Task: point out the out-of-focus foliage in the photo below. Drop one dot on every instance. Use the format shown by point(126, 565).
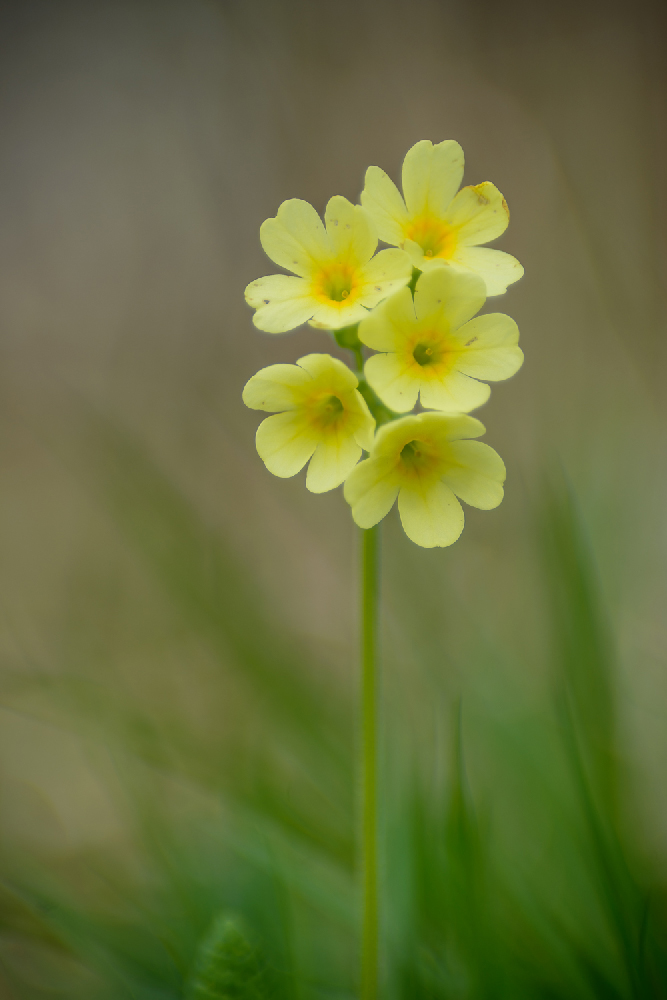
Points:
point(228, 965)
point(178, 634)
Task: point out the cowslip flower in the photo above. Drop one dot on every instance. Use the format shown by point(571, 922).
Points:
point(435, 349)
point(427, 461)
point(435, 225)
point(318, 415)
point(336, 279)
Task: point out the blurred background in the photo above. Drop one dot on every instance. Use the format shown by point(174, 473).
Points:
point(178, 643)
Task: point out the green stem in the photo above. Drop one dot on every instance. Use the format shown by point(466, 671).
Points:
point(369, 739)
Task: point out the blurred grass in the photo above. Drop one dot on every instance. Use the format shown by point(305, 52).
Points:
point(178, 645)
point(271, 837)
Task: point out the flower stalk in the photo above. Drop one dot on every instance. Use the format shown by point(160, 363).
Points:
point(370, 543)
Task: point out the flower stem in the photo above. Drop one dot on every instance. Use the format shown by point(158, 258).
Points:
point(369, 737)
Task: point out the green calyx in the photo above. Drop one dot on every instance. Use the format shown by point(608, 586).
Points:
point(348, 337)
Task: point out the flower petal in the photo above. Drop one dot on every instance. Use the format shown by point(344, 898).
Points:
point(478, 475)
point(451, 427)
point(365, 432)
point(285, 442)
point(273, 388)
point(391, 437)
point(416, 255)
point(334, 458)
point(455, 394)
point(462, 426)
point(452, 295)
point(431, 176)
point(489, 347)
point(395, 384)
point(335, 316)
point(444, 427)
point(479, 214)
point(296, 238)
point(383, 328)
point(350, 231)
point(497, 268)
point(382, 200)
point(430, 514)
point(325, 367)
point(383, 275)
point(371, 490)
point(282, 302)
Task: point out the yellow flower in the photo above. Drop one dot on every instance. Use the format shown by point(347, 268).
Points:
point(319, 415)
point(434, 224)
point(338, 278)
point(424, 460)
point(434, 348)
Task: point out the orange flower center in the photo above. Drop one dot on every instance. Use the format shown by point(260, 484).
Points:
point(335, 282)
point(433, 235)
point(429, 354)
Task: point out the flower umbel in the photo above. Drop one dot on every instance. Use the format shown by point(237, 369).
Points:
point(427, 461)
point(435, 349)
point(319, 415)
point(434, 224)
point(337, 277)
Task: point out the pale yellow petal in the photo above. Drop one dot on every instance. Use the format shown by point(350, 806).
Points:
point(324, 367)
point(489, 347)
point(430, 514)
point(285, 443)
point(497, 268)
point(296, 238)
point(382, 199)
point(350, 230)
point(451, 427)
point(395, 384)
point(364, 427)
point(386, 326)
point(431, 176)
point(390, 438)
point(371, 490)
point(416, 255)
point(478, 214)
point(334, 458)
point(273, 388)
point(282, 301)
point(383, 275)
point(455, 394)
point(478, 475)
point(334, 316)
point(278, 287)
point(443, 293)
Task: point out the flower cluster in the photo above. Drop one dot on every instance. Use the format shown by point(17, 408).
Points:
point(416, 305)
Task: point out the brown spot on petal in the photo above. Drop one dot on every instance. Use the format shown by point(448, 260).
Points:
point(481, 197)
point(377, 288)
point(472, 341)
point(506, 207)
